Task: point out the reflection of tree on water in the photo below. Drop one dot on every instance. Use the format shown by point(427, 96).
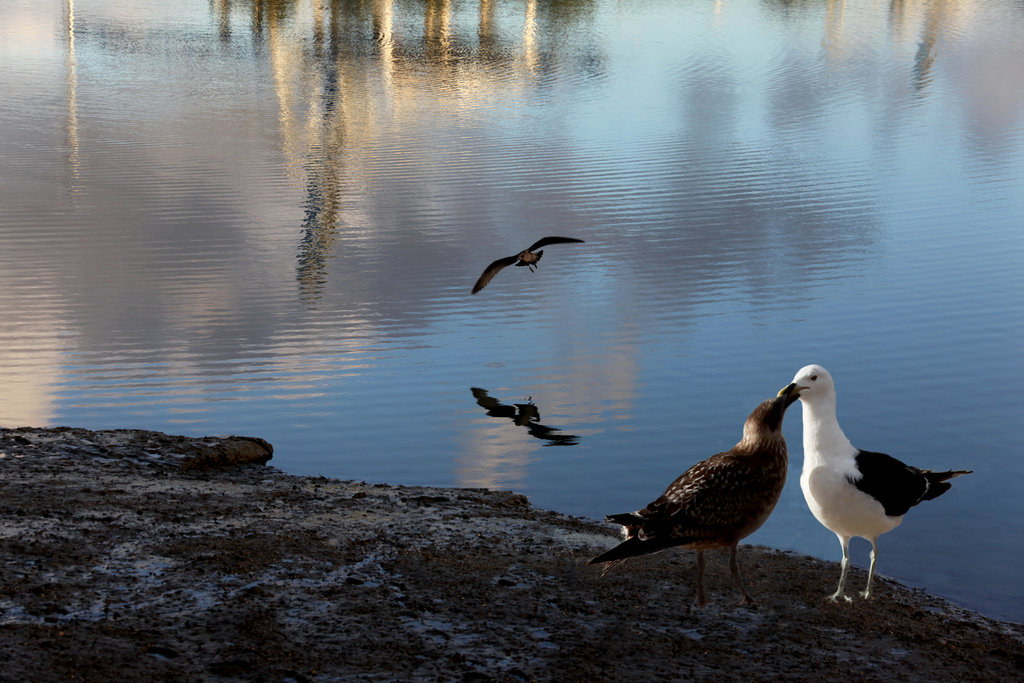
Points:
point(323, 199)
point(71, 124)
point(523, 415)
point(261, 12)
point(318, 235)
point(938, 16)
point(937, 19)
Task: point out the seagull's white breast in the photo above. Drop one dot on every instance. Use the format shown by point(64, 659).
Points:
point(841, 507)
point(828, 476)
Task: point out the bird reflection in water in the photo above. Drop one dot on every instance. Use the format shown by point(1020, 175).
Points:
point(524, 415)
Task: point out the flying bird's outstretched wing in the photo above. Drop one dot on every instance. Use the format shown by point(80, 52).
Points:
point(527, 257)
point(545, 241)
point(492, 270)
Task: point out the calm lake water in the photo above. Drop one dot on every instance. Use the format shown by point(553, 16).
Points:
point(265, 218)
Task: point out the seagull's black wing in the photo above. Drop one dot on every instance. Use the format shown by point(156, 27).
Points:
point(896, 485)
point(545, 241)
point(492, 270)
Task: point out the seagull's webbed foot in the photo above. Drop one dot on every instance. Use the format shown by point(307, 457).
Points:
point(866, 594)
point(839, 594)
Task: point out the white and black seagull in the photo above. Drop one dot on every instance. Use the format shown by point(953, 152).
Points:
point(527, 257)
point(850, 491)
point(716, 503)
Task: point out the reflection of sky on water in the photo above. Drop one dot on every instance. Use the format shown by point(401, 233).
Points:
point(266, 217)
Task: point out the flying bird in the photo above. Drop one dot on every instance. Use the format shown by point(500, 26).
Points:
point(717, 502)
point(527, 257)
point(850, 491)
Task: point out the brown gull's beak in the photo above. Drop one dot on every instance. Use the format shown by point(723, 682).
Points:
point(790, 392)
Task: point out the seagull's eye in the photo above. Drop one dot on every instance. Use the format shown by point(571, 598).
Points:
point(814, 378)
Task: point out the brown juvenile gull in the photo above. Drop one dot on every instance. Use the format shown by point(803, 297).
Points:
point(717, 502)
point(527, 257)
point(850, 491)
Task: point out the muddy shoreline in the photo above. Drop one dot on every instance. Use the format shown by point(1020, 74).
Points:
point(142, 556)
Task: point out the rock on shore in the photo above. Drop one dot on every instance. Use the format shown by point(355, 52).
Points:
point(135, 555)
